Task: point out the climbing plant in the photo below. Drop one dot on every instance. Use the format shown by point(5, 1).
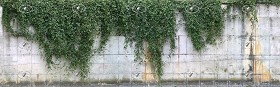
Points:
point(204, 21)
point(271, 2)
point(67, 29)
point(151, 22)
point(61, 30)
point(247, 7)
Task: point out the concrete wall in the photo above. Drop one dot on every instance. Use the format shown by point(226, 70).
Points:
point(246, 52)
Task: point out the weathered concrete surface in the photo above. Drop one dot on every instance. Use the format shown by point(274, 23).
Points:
point(247, 52)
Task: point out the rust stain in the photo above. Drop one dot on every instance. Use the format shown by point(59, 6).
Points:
point(148, 73)
point(262, 73)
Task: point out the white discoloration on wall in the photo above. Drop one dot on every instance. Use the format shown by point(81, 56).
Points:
point(21, 60)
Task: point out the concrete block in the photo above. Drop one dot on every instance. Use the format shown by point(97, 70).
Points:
point(235, 26)
point(194, 67)
point(35, 50)
point(177, 58)
point(10, 60)
point(72, 77)
point(39, 69)
point(207, 67)
point(97, 59)
point(221, 46)
point(206, 58)
point(275, 77)
point(193, 76)
point(274, 64)
point(93, 77)
point(96, 69)
point(275, 26)
point(219, 49)
point(9, 70)
point(1, 46)
point(24, 59)
point(235, 76)
point(207, 76)
point(1, 28)
point(193, 58)
point(137, 77)
point(226, 28)
point(38, 77)
point(237, 65)
point(263, 10)
point(169, 67)
point(112, 46)
point(272, 11)
point(138, 69)
point(264, 26)
point(11, 51)
point(122, 78)
point(108, 77)
point(275, 70)
point(24, 47)
point(221, 67)
point(275, 46)
point(181, 46)
point(110, 59)
point(37, 59)
point(180, 24)
point(168, 76)
point(190, 47)
point(234, 45)
point(10, 41)
point(1, 11)
point(222, 77)
point(124, 68)
point(181, 29)
point(278, 11)
point(263, 45)
point(262, 66)
point(24, 71)
point(96, 42)
point(209, 50)
point(180, 67)
point(129, 59)
point(129, 50)
point(53, 78)
point(11, 78)
point(180, 77)
point(275, 22)
point(1, 33)
point(166, 47)
point(275, 31)
point(110, 68)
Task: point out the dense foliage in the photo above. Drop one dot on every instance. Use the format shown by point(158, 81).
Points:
point(204, 21)
point(67, 29)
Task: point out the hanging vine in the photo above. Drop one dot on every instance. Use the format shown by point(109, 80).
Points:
point(204, 21)
point(68, 29)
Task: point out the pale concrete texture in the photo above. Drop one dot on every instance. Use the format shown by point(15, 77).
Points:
point(248, 54)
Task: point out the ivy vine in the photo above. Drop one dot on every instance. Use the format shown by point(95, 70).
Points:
point(204, 21)
point(67, 29)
